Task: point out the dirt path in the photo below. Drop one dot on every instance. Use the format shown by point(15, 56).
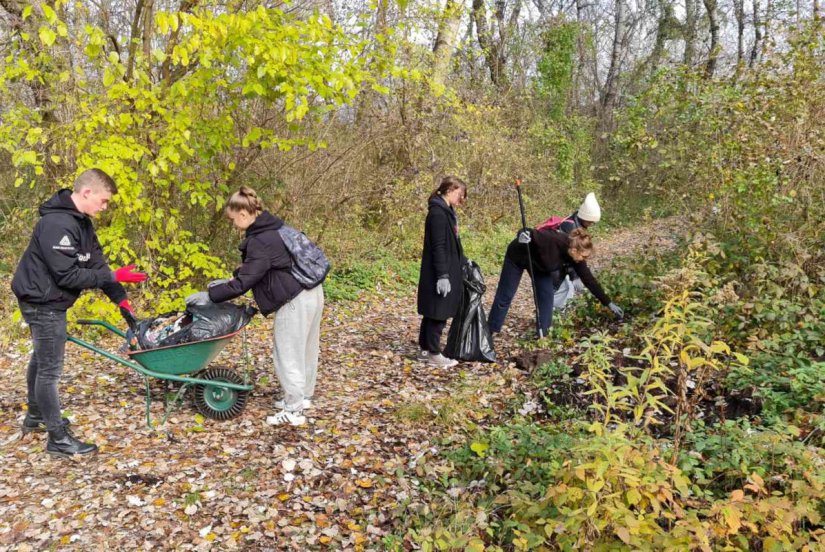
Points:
point(339, 483)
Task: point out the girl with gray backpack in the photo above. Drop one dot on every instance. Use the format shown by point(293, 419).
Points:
point(284, 270)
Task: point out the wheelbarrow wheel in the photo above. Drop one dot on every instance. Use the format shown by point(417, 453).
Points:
point(217, 402)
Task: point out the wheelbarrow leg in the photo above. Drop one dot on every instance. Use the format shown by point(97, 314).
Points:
point(171, 406)
point(148, 403)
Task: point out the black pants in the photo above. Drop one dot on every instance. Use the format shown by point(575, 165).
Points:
point(429, 337)
point(48, 329)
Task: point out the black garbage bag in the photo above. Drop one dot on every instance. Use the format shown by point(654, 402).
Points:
point(217, 319)
point(196, 323)
point(469, 337)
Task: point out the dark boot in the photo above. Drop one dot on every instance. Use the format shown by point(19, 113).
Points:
point(34, 422)
point(63, 443)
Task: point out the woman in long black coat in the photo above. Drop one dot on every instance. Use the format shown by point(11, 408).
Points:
point(440, 284)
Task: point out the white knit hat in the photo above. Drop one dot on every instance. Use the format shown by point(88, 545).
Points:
point(590, 210)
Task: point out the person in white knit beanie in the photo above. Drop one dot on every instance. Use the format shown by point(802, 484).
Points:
point(588, 214)
point(589, 211)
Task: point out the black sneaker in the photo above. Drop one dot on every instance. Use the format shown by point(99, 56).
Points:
point(63, 443)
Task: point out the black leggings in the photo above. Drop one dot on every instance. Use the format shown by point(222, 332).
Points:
point(429, 337)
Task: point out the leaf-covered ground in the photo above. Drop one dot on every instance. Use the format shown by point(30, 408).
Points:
point(339, 483)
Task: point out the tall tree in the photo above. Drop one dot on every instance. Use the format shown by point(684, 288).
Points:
point(739, 13)
point(445, 39)
point(757, 34)
point(492, 38)
point(617, 53)
point(690, 32)
point(710, 67)
point(668, 27)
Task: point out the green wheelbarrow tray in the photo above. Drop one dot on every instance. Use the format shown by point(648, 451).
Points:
point(220, 393)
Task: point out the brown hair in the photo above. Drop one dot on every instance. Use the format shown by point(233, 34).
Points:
point(95, 178)
point(581, 245)
point(245, 199)
point(448, 184)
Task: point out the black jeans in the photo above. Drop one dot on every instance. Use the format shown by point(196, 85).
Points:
point(48, 329)
point(506, 291)
point(429, 336)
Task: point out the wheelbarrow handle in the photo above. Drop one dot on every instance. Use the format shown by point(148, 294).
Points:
point(113, 329)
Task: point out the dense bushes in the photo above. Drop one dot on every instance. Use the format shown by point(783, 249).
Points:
point(637, 451)
point(699, 422)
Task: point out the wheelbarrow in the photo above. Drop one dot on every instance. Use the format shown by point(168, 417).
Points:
point(220, 393)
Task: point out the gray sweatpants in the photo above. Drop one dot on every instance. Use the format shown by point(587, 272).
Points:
point(297, 334)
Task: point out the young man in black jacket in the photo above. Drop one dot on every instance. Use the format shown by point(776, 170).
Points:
point(63, 258)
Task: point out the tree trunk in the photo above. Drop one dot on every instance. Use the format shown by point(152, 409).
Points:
point(667, 28)
point(445, 40)
point(130, 64)
point(148, 22)
point(766, 29)
point(490, 47)
point(611, 81)
point(757, 34)
point(710, 67)
point(739, 12)
point(581, 52)
point(690, 32)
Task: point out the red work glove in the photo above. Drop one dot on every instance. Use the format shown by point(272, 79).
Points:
point(128, 314)
point(127, 274)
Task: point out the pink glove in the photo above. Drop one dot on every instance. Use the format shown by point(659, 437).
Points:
point(127, 274)
point(126, 306)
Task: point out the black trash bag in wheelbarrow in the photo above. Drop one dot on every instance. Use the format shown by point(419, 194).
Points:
point(196, 323)
point(217, 319)
point(469, 338)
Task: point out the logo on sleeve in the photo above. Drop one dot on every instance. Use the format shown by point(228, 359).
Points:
point(65, 244)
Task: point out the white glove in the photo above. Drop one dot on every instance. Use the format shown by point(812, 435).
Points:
point(524, 236)
point(617, 310)
point(442, 287)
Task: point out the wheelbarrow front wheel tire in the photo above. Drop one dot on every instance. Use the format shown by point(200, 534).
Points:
point(216, 401)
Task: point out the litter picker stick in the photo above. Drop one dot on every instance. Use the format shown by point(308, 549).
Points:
point(539, 331)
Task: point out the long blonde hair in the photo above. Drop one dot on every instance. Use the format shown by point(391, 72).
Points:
point(581, 245)
point(245, 199)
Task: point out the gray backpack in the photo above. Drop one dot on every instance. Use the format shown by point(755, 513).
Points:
point(309, 264)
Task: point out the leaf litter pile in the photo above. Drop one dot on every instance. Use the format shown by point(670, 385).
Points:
point(341, 482)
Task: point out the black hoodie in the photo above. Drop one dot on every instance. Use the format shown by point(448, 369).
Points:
point(63, 258)
point(265, 269)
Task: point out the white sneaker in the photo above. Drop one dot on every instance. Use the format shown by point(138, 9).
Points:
point(440, 360)
point(305, 405)
point(422, 356)
point(285, 417)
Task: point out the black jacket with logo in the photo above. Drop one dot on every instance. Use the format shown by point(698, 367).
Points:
point(265, 269)
point(63, 258)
